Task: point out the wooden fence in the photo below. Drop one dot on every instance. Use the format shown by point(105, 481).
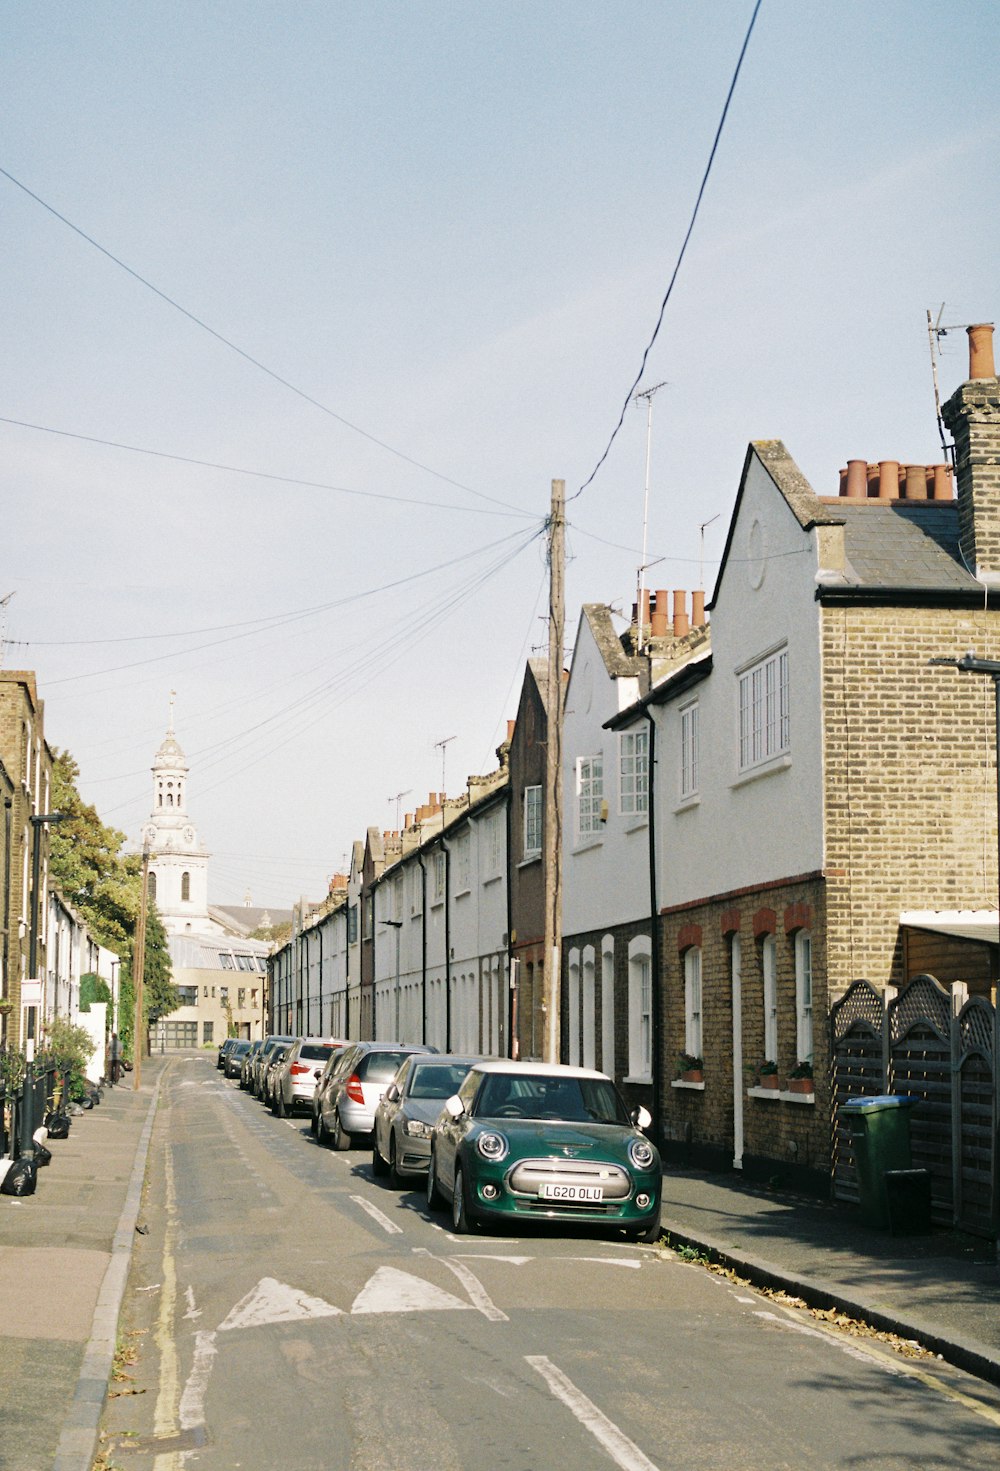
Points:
point(941, 1046)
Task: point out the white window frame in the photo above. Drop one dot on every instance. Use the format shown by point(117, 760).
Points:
point(438, 861)
point(416, 889)
point(690, 749)
point(573, 1007)
point(764, 722)
point(461, 858)
point(533, 812)
point(803, 997)
point(769, 968)
point(492, 847)
point(589, 795)
point(692, 1002)
point(633, 772)
point(640, 1010)
point(608, 1005)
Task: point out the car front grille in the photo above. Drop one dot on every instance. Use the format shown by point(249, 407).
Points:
point(529, 1174)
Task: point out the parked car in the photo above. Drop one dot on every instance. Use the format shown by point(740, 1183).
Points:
point(522, 1140)
point(234, 1057)
point(324, 1083)
point(410, 1107)
point(269, 1075)
point(225, 1046)
point(300, 1070)
point(246, 1067)
point(263, 1058)
point(354, 1089)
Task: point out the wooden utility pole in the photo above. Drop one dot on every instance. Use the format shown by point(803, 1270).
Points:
point(138, 966)
point(553, 776)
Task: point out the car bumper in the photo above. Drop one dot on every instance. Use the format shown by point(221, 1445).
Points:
point(493, 1196)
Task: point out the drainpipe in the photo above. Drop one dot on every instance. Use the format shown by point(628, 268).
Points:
point(447, 946)
point(423, 947)
point(654, 926)
point(509, 1050)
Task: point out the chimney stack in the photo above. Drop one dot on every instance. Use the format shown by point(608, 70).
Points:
point(698, 608)
point(972, 415)
point(681, 624)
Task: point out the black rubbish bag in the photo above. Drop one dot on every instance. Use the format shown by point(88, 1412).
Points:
point(57, 1125)
point(86, 1101)
point(21, 1178)
point(43, 1156)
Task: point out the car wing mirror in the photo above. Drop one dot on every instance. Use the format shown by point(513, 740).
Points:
point(392, 1093)
point(454, 1106)
point(641, 1117)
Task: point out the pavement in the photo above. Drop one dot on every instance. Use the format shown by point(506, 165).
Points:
point(65, 1254)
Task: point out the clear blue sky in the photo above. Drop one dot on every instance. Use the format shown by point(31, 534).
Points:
point(451, 224)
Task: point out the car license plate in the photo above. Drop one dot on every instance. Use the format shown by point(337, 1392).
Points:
point(551, 1191)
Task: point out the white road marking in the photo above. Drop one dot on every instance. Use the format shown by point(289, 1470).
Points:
point(377, 1215)
point(392, 1291)
point(477, 1292)
point(275, 1302)
point(604, 1261)
point(750, 1300)
point(852, 1350)
point(192, 1406)
point(488, 1256)
point(623, 1452)
point(192, 1313)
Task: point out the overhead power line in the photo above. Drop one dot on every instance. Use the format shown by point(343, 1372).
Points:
point(241, 352)
point(159, 454)
point(684, 245)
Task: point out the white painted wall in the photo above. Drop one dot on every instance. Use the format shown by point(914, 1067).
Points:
point(741, 831)
point(605, 878)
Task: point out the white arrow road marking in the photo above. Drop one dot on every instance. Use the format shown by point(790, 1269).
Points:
point(378, 1215)
point(392, 1291)
point(192, 1313)
point(192, 1406)
point(605, 1261)
point(275, 1302)
point(623, 1452)
point(473, 1286)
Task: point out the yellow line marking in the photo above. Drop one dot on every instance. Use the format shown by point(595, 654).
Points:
point(165, 1421)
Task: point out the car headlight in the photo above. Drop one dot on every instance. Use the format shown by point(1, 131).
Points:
point(417, 1130)
point(492, 1145)
point(641, 1153)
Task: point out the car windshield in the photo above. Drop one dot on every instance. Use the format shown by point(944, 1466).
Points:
point(315, 1051)
point(437, 1079)
point(379, 1067)
point(573, 1100)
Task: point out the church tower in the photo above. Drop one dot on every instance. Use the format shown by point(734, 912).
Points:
point(178, 867)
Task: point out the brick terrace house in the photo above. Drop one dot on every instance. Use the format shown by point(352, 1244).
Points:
point(821, 786)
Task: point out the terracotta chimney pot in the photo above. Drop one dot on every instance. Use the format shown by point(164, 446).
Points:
point(871, 488)
point(857, 480)
point(408, 820)
point(941, 489)
point(645, 606)
point(510, 729)
point(681, 624)
point(916, 482)
point(660, 620)
point(981, 351)
point(888, 480)
point(843, 482)
point(698, 608)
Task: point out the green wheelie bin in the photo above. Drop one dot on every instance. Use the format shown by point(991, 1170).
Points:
point(880, 1134)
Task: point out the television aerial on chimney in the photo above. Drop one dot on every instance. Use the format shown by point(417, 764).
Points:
point(935, 331)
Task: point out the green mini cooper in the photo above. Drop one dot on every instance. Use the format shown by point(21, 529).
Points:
point(544, 1142)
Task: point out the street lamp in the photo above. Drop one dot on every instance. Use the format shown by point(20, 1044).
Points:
point(397, 925)
point(39, 819)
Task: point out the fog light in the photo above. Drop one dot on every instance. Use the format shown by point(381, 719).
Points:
point(490, 1192)
point(642, 1201)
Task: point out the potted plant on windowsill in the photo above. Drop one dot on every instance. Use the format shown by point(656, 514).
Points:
point(767, 1075)
point(800, 1079)
point(690, 1069)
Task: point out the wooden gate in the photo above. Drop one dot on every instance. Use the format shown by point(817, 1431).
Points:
point(857, 1022)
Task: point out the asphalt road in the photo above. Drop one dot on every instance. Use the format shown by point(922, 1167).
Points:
point(287, 1311)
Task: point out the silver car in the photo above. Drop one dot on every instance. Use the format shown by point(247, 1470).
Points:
point(354, 1090)
point(405, 1118)
point(259, 1064)
point(301, 1067)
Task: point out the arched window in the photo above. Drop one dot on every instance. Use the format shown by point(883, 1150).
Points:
point(185, 886)
point(803, 996)
point(692, 1001)
point(170, 799)
point(151, 887)
point(769, 967)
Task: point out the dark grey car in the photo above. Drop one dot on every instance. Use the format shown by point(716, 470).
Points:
point(405, 1119)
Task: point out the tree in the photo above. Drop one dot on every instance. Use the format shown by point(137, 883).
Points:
point(159, 994)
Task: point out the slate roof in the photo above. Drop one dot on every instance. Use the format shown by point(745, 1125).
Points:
point(902, 548)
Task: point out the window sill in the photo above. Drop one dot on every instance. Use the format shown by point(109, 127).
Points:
point(529, 859)
point(462, 893)
point(778, 1095)
point(692, 1087)
point(643, 1081)
point(766, 768)
point(686, 803)
point(494, 878)
point(636, 822)
point(589, 840)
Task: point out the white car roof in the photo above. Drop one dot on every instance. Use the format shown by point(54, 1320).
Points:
point(536, 1069)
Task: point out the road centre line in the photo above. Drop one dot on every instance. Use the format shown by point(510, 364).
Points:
point(624, 1452)
point(477, 1292)
point(377, 1215)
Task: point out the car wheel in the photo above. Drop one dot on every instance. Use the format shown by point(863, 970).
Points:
point(341, 1138)
point(379, 1167)
point(280, 1109)
point(649, 1234)
point(322, 1132)
point(435, 1200)
point(462, 1220)
point(312, 1124)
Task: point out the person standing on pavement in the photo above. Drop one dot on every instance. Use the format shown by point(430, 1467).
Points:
point(115, 1052)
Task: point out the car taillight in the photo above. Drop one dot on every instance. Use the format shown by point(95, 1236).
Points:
point(354, 1090)
point(297, 1069)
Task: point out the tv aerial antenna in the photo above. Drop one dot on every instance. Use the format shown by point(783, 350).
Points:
point(935, 331)
point(442, 746)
